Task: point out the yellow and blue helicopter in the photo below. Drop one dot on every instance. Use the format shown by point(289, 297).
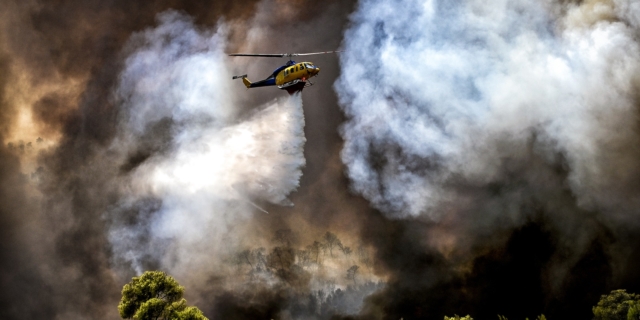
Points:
point(292, 76)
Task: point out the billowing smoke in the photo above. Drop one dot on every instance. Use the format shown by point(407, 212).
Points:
point(491, 148)
point(188, 149)
point(482, 120)
point(196, 171)
point(450, 92)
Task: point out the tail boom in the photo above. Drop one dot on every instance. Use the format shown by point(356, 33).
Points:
point(271, 81)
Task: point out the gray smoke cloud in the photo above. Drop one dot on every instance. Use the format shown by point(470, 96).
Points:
point(441, 93)
point(127, 147)
point(215, 163)
point(477, 119)
point(497, 140)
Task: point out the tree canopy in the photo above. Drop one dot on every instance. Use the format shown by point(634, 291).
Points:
point(457, 317)
point(618, 305)
point(540, 317)
point(332, 240)
point(156, 296)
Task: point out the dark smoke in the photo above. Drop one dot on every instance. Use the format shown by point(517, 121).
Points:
point(64, 59)
point(20, 279)
point(501, 136)
point(497, 142)
point(64, 62)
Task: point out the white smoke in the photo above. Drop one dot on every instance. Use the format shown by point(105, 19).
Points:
point(212, 165)
point(438, 93)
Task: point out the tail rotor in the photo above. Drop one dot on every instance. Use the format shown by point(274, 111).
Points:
point(246, 81)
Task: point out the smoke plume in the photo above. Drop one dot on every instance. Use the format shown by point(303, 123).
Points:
point(460, 157)
point(493, 123)
point(211, 167)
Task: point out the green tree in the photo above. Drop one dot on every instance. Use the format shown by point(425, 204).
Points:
point(331, 240)
point(156, 296)
point(351, 273)
point(540, 317)
point(315, 248)
point(616, 305)
point(634, 311)
point(457, 317)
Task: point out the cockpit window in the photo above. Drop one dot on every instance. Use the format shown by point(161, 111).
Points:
point(302, 67)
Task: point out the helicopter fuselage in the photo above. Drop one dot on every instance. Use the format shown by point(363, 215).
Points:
point(292, 77)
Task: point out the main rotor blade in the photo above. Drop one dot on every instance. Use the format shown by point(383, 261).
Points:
point(275, 55)
point(278, 55)
point(312, 53)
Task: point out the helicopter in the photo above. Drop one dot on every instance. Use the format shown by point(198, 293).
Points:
point(292, 76)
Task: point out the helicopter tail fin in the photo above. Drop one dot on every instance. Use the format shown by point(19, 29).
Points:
point(246, 81)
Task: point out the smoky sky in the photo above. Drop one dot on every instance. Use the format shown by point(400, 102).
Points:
point(486, 155)
point(509, 132)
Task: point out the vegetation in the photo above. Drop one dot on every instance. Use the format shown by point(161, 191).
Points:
point(156, 296)
point(618, 305)
point(540, 317)
point(294, 263)
point(288, 264)
point(634, 311)
point(457, 317)
point(331, 241)
point(351, 273)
